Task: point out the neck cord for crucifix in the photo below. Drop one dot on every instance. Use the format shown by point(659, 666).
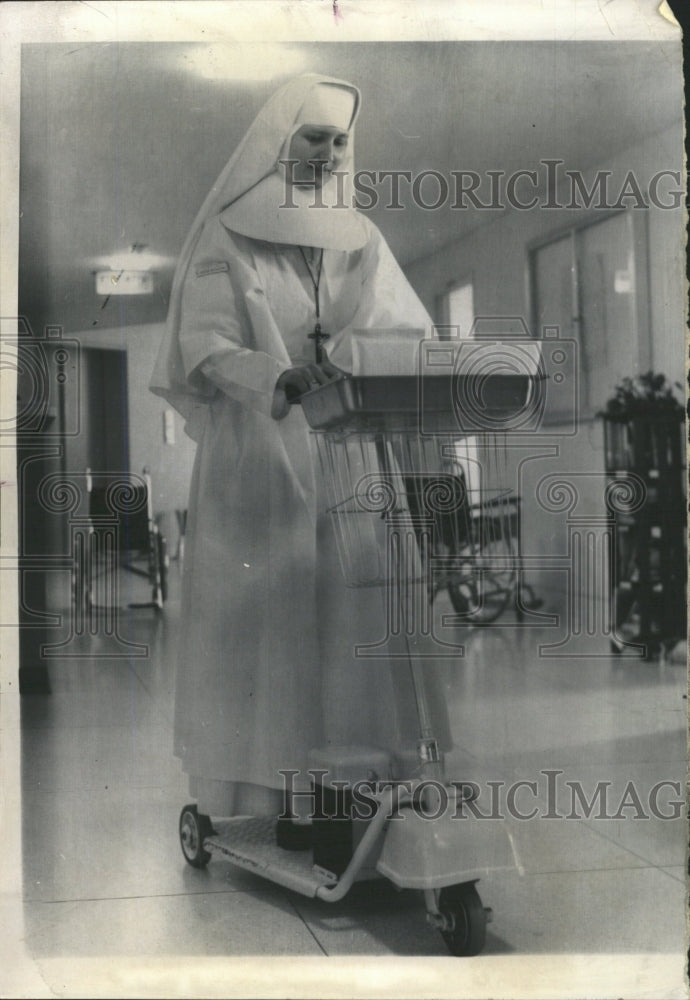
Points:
point(318, 336)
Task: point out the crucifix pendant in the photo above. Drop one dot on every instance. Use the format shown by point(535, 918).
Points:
point(318, 336)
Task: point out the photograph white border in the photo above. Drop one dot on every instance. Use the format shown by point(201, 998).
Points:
point(533, 976)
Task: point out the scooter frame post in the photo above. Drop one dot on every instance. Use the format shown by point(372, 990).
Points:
point(387, 802)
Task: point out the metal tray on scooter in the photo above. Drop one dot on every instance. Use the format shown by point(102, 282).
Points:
point(457, 404)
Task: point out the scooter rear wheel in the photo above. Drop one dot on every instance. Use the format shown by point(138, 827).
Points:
point(462, 907)
point(194, 828)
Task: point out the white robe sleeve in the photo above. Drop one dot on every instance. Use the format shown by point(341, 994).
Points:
point(388, 300)
point(388, 307)
point(215, 328)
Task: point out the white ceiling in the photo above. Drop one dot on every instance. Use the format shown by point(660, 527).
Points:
point(120, 143)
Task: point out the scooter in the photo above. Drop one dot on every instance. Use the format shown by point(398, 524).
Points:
point(423, 833)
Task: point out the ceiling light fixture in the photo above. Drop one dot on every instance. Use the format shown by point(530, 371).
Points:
point(137, 257)
point(124, 282)
point(129, 273)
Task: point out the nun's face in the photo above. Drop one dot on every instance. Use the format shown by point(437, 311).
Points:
point(318, 150)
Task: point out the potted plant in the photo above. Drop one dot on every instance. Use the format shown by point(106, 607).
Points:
point(648, 395)
point(641, 422)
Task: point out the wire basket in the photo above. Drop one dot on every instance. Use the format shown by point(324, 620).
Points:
point(411, 495)
point(413, 488)
point(405, 507)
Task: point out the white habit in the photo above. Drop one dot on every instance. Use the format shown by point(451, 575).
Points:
point(266, 669)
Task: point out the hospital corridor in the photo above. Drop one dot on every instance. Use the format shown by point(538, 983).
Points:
point(347, 596)
point(104, 874)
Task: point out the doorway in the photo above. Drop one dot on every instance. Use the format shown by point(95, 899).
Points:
point(592, 283)
point(105, 436)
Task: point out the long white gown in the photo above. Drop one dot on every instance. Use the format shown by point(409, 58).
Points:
point(266, 668)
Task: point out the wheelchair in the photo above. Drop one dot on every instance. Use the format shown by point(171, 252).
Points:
point(474, 547)
point(123, 537)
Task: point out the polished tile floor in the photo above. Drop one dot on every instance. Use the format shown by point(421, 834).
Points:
point(101, 793)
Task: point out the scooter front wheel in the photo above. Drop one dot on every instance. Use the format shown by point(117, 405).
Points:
point(465, 919)
point(194, 828)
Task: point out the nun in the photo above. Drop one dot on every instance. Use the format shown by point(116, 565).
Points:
point(277, 258)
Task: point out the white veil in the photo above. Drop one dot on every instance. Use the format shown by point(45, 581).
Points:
point(250, 191)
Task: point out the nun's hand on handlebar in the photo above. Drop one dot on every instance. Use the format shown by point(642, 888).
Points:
point(302, 378)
